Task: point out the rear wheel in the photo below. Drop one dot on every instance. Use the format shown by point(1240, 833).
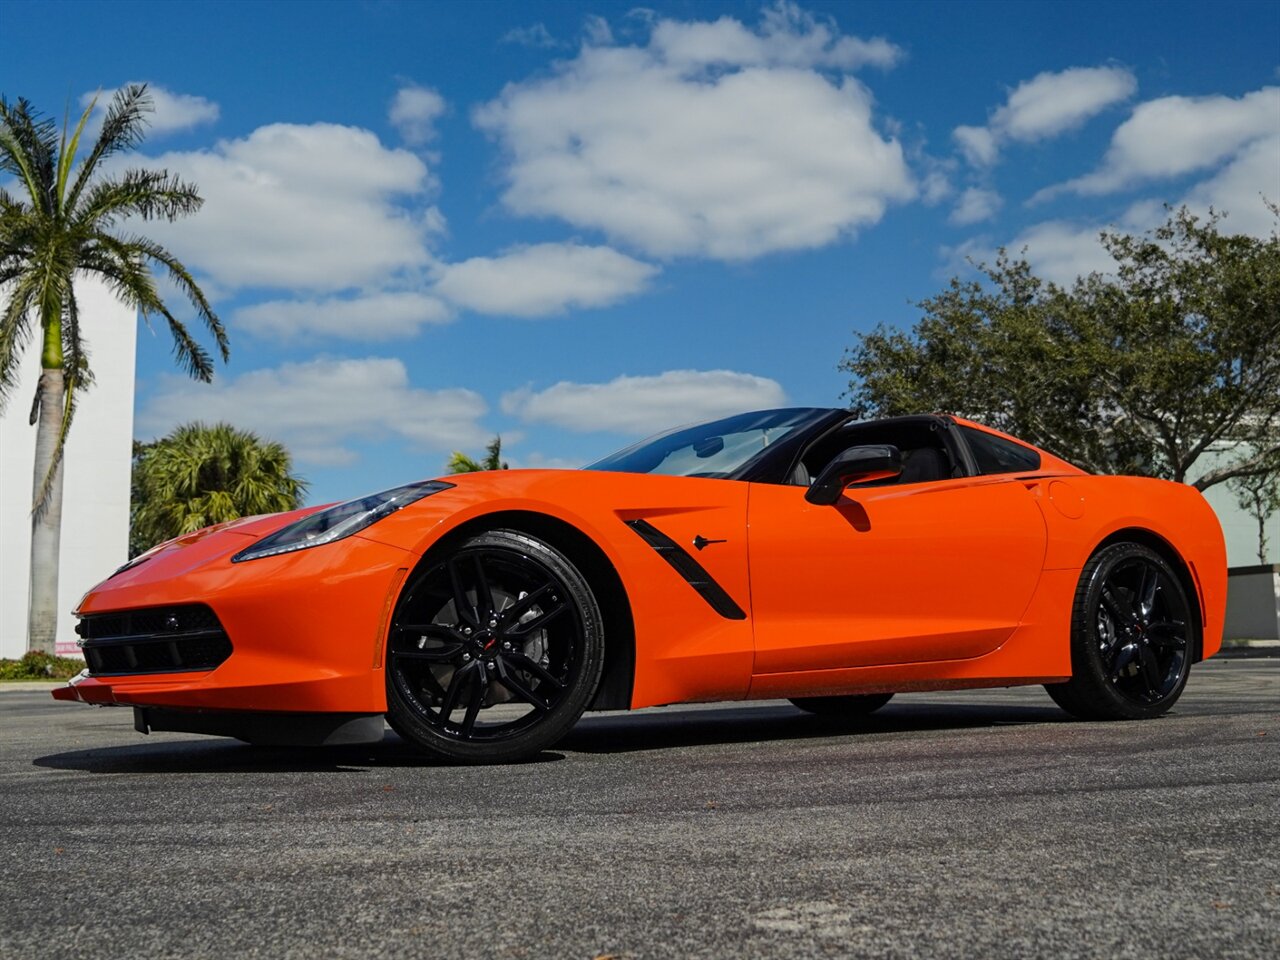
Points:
point(494, 651)
point(1131, 634)
point(855, 705)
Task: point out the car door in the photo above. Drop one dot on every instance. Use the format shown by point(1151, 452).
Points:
point(939, 570)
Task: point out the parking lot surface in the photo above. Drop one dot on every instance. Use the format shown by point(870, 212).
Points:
point(981, 824)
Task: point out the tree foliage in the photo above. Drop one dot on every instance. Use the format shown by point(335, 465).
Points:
point(201, 475)
point(461, 463)
point(1174, 353)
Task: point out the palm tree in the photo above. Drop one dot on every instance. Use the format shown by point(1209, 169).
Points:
point(461, 463)
point(201, 475)
point(70, 223)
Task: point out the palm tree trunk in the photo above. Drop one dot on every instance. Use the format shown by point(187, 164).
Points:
point(46, 518)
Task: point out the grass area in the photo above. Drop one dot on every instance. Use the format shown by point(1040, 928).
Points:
point(40, 666)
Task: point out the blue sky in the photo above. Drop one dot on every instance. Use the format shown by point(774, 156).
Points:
point(577, 223)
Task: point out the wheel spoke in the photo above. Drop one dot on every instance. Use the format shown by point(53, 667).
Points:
point(521, 662)
point(479, 686)
point(484, 593)
point(450, 702)
point(515, 683)
point(537, 623)
point(1119, 605)
point(1167, 634)
point(446, 653)
point(1150, 671)
point(1147, 588)
point(465, 608)
point(522, 606)
point(448, 642)
point(1123, 659)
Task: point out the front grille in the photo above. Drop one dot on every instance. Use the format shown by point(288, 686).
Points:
point(153, 640)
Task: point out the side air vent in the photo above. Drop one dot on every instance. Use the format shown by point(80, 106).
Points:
point(690, 569)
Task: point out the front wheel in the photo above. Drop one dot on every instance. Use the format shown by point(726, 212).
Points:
point(494, 651)
point(1131, 633)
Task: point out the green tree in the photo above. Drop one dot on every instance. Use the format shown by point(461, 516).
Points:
point(1142, 370)
point(70, 222)
point(201, 475)
point(461, 463)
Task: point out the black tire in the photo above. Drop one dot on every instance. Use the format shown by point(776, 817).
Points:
point(1132, 631)
point(502, 618)
point(854, 705)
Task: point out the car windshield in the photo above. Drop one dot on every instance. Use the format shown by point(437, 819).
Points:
point(716, 449)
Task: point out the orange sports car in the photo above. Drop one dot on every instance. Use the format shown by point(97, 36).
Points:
point(793, 553)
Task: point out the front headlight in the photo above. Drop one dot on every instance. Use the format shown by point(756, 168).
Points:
point(339, 521)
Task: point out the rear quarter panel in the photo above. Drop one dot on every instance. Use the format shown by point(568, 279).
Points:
point(1082, 512)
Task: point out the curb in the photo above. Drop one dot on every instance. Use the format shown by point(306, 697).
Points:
point(1251, 650)
point(27, 686)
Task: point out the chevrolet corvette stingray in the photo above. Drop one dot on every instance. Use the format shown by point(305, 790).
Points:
point(794, 553)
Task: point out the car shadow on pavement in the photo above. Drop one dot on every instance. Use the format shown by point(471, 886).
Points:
point(674, 727)
point(224, 755)
point(657, 729)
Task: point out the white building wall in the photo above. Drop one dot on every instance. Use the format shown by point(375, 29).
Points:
point(95, 500)
point(1240, 529)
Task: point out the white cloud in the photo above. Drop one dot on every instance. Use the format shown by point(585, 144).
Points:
point(536, 36)
point(173, 111)
point(320, 407)
point(644, 404)
point(935, 187)
point(788, 36)
point(1052, 103)
point(596, 31)
point(414, 111)
point(543, 279)
point(978, 144)
point(376, 316)
point(1061, 251)
point(975, 205)
point(1045, 106)
point(538, 461)
point(1178, 135)
point(712, 139)
point(1241, 187)
point(301, 207)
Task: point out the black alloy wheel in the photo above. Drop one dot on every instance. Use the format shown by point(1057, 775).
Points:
point(494, 651)
point(852, 705)
point(1132, 631)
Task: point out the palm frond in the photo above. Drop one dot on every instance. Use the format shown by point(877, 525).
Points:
point(123, 128)
point(182, 278)
point(67, 153)
point(15, 328)
point(121, 263)
point(28, 145)
point(149, 194)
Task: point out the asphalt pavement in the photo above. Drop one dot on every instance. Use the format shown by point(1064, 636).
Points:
point(979, 824)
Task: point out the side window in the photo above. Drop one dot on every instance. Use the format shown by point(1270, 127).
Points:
point(998, 455)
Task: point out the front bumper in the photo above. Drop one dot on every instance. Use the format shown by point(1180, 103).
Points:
point(307, 629)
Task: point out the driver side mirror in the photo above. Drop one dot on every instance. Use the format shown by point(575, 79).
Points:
point(879, 461)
